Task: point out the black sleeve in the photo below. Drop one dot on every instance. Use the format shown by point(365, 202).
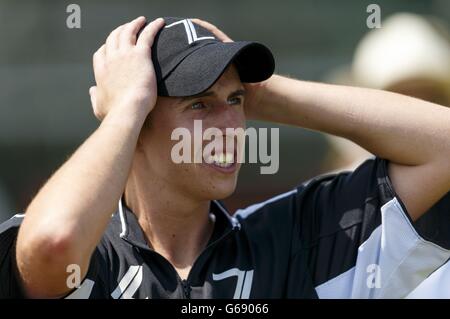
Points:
point(93, 286)
point(10, 286)
point(357, 238)
point(434, 225)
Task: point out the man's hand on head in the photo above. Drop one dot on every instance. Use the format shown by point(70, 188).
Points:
point(67, 218)
point(124, 71)
point(219, 34)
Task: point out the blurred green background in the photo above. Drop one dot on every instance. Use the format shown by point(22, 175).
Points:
point(45, 73)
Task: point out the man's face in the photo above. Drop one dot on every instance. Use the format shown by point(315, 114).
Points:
point(221, 107)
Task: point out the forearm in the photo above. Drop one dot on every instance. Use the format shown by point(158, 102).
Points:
point(404, 130)
point(66, 220)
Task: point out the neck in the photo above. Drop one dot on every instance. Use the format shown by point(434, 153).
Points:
point(175, 226)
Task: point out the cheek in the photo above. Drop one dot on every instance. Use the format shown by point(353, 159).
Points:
point(173, 144)
point(242, 121)
point(155, 141)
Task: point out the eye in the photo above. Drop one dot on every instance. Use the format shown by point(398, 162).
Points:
point(198, 106)
point(235, 101)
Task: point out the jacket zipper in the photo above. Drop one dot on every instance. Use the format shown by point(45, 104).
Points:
point(186, 289)
point(186, 282)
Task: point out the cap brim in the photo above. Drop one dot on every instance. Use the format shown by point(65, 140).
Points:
point(202, 68)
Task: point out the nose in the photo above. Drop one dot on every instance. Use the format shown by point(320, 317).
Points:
point(228, 116)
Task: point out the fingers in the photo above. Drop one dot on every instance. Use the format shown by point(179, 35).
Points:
point(99, 55)
point(112, 42)
point(120, 59)
point(124, 35)
point(98, 59)
point(92, 94)
point(148, 34)
point(128, 34)
point(213, 29)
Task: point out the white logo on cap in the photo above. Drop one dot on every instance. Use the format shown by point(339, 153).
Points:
point(190, 30)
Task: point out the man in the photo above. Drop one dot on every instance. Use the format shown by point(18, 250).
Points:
point(348, 235)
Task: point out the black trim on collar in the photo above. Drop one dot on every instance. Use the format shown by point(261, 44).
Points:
point(131, 231)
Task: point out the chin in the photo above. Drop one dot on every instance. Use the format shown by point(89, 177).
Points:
point(223, 193)
point(218, 182)
point(220, 188)
point(209, 183)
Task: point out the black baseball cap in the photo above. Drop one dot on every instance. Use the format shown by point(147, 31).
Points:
point(189, 59)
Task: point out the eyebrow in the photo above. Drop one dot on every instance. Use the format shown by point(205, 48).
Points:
point(238, 92)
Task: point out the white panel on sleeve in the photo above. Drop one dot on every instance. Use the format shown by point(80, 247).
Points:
point(391, 263)
point(437, 286)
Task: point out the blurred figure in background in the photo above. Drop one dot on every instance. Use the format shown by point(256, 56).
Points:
point(409, 54)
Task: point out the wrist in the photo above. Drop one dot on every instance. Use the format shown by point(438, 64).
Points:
point(258, 100)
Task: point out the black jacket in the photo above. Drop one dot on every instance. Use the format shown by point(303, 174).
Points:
point(335, 236)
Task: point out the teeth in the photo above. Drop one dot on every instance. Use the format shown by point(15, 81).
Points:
point(222, 160)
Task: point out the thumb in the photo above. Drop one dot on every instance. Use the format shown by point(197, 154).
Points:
point(93, 95)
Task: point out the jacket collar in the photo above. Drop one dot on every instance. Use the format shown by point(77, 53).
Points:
point(130, 230)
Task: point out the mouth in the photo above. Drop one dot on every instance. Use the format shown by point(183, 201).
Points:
point(222, 162)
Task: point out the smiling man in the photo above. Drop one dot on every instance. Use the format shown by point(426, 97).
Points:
point(346, 235)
